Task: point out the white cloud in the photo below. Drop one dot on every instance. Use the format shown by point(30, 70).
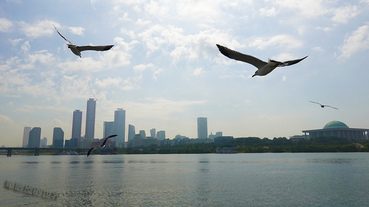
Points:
point(356, 42)
point(343, 14)
point(38, 29)
point(285, 41)
point(107, 82)
point(198, 71)
point(76, 30)
point(268, 12)
point(5, 25)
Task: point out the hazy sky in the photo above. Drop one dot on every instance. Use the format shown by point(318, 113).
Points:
point(165, 69)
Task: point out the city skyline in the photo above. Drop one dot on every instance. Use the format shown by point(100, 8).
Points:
point(165, 69)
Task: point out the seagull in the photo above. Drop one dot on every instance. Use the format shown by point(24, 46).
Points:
point(102, 145)
point(263, 67)
point(78, 49)
point(322, 105)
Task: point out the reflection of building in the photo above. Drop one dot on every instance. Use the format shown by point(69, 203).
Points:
point(337, 129)
point(202, 128)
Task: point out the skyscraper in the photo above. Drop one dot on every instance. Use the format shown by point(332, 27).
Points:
point(90, 119)
point(131, 132)
point(77, 125)
point(43, 142)
point(109, 128)
point(161, 135)
point(58, 137)
point(34, 137)
point(202, 128)
point(26, 136)
point(142, 134)
point(153, 133)
point(120, 127)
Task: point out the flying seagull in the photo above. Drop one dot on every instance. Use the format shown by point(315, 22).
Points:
point(78, 49)
point(102, 145)
point(263, 67)
point(322, 105)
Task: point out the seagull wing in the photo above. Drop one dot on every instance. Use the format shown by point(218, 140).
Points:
point(291, 62)
point(90, 150)
point(96, 48)
point(331, 107)
point(315, 102)
point(241, 57)
point(62, 36)
point(106, 139)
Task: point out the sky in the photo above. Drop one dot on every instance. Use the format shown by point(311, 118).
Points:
point(165, 69)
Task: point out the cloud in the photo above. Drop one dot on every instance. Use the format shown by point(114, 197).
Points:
point(107, 82)
point(268, 12)
point(356, 42)
point(343, 14)
point(198, 71)
point(76, 30)
point(283, 41)
point(38, 29)
point(5, 25)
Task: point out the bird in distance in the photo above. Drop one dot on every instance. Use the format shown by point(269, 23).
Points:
point(322, 105)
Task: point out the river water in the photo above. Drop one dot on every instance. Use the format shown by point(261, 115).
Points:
point(265, 179)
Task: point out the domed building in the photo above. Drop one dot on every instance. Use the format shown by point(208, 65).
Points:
point(337, 129)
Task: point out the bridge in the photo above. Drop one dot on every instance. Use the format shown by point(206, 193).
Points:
point(36, 149)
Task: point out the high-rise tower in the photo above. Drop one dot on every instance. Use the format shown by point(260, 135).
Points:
point(90, 119)
point(77, 125)
point(26, 136)
point(120, 126)
point(34, 137)
point(58, 137)
point(131, 132)
point(202, 128)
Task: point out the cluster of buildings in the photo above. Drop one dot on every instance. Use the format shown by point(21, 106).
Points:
point(32, 136)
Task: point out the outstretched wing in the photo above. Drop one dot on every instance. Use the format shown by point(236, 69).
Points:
point(106, 139)
point(90, 150)
point(62, 36)
point(315, 102)
point(241, 57)
point(331, 107)
point(291, 62)
point(96, 48)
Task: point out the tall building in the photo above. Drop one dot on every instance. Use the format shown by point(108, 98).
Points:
point(34, 137)
point(120, 127)
point(153, 133)
point(43, 142)
point(58, 137)
point(26, 136)
point(108, 128)
point(160, 135)
point(77, 125)
point(202, 128)
point(90, 119)
point(142, 134)
point(131, 132)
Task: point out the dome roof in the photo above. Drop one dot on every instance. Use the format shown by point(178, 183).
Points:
point(335, 124)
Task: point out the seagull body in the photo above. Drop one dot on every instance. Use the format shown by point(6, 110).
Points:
point(102, 145)
point(78, 49)
point(263, 67)
point(322, 105)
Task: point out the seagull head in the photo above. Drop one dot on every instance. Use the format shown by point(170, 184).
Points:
point(256, 73)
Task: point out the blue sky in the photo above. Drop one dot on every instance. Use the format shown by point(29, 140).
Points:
point(165, 69)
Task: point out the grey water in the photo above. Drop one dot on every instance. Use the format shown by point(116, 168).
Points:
point(267, 179)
